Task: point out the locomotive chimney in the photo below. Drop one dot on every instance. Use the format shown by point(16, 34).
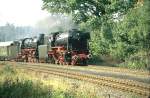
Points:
point(41, 39)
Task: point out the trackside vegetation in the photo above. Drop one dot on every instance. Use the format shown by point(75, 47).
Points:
point(14, 86)
point(17, 84)
point(21, 83)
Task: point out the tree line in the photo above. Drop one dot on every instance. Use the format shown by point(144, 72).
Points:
point(9, 32)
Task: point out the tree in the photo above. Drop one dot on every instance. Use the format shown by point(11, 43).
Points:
point(83, 10)
point(94, 15)
point(132, 36)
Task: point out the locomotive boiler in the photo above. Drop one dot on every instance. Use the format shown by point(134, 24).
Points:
point(73, 40)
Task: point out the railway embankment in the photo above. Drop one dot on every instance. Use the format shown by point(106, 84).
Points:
point(101, 76)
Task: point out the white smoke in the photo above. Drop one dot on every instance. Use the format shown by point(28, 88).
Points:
point(54, 23)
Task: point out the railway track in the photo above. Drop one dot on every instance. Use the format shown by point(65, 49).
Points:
point(106, 69)
point(121, 84)
point(120, 70)
point(106, 72)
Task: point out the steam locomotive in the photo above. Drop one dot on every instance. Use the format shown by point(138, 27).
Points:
point(69, 48)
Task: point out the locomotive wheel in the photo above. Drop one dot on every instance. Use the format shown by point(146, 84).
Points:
point(84, 62)
point(75, 60)
point(51, 60)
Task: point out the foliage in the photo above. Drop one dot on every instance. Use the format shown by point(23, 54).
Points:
point(98, 44)
point(133, 29)
point(139, 60)
point(12, 85)
point(8, 69)
point(17, 88)
point(83, 10)
point(125, 37)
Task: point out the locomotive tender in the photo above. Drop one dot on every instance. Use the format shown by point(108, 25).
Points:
point(69, 48)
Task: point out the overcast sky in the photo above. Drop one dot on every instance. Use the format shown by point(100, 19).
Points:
point(21, 12)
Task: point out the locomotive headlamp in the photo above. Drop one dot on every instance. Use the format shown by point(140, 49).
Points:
point(89, 56)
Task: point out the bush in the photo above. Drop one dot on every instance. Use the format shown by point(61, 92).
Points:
point(139, 60)
point(17, 88)
point(95, 60)
point(8, 70)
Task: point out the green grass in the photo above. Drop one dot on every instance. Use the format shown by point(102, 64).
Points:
point(17, 84)
point(14, 86)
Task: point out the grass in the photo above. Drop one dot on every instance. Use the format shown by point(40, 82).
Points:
point(13, 85)
point(19, 83)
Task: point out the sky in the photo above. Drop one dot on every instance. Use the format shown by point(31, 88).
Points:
point(21, 12)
